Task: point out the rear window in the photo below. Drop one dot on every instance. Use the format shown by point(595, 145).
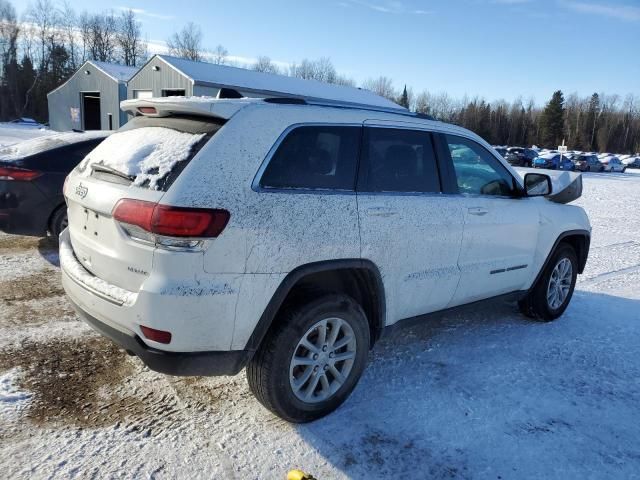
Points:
point(149, 152)
point(315, 157)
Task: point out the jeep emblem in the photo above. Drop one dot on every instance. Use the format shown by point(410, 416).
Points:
point(81, 190)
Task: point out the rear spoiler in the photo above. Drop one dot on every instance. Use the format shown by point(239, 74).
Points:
point(207, 106)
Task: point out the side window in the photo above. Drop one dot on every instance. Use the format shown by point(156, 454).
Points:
point(477, 171)
point(315, 157)
point(397, 160)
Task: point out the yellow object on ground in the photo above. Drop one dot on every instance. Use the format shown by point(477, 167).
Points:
point(299, 475)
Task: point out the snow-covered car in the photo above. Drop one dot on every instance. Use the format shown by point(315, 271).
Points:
point(287, 236)
point(501, 150)
point(588, 163)
point(32, 173)
point(554, 161)
point(25, 122)
point(521, 157)
point(633, 162)
point(613, 164)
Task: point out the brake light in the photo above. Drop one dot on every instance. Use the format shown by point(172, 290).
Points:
point(18, 174)
point(171, 221)
point(159, 336)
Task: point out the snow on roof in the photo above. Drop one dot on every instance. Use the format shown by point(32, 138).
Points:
point(274, 85)
point(47, 142)
point(121, 73)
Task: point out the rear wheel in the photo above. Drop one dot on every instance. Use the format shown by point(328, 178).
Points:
point(58, 221)
point(552, 293)
point(312, 359)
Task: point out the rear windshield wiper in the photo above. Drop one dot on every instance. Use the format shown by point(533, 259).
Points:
point(104, 172)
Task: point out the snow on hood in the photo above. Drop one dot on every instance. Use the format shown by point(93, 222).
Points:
point(566, 186)
point(147, 153)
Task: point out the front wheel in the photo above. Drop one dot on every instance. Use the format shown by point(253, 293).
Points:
point(313, 358)
point(550, 296)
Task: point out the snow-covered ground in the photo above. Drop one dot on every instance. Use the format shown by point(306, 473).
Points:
point(487, 394)
point(11, 133)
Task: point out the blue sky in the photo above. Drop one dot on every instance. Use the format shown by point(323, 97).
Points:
point(490, 48)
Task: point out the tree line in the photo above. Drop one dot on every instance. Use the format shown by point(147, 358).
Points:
point(43, 48)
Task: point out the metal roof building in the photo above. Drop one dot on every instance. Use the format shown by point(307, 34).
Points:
point(165, 76)
point(90, 99)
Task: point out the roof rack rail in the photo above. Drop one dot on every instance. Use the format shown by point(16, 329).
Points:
point(334, 104)
point(286, 100)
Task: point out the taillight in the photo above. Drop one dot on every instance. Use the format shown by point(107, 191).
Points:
point(159, 336)
point(171, 221)
point(19, 174)
point(147, 110)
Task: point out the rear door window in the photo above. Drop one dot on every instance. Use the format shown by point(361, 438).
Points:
point(398, 160)
point(315, 158)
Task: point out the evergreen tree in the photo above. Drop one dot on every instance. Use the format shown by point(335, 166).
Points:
point(404, 98)
point(552, 121)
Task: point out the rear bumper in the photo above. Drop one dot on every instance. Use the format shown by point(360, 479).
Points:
point(171, 363)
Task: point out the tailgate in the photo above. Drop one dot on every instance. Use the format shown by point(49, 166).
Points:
point(98, 241)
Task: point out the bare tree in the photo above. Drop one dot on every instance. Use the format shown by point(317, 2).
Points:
point(99, 36)
point(43, 18)
point(9, 32)
point(129, 39)
point(264, 64)
point(383, 86)
point(69, 27)
point(219, 55)
point(187, 43)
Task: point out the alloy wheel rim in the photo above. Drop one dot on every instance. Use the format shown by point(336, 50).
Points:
point(560, 283)
point(322, 360)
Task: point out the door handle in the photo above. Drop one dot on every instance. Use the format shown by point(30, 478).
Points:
point(479, 211)
point(380, 212)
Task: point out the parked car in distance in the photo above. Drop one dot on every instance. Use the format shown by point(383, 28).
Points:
point(588, 163)
point(501, 150)
point(25, 121)
point(633, 162)
point(554, 161)
point(521, 157)
point(32, 174)
point(286, 237)
point(613, 164)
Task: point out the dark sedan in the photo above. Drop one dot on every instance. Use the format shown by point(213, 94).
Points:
point(32, 174)
point(520, 157)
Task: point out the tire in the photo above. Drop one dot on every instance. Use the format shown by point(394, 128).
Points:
point(271, 372)
point(536, 304)
point(588, 169)
point(58, 221)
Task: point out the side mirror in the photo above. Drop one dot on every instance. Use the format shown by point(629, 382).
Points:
point(537, 184)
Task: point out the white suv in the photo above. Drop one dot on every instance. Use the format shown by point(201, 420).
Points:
point(209, 235)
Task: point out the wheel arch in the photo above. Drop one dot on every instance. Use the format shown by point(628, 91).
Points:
point(580, 240)
point(358, 278)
